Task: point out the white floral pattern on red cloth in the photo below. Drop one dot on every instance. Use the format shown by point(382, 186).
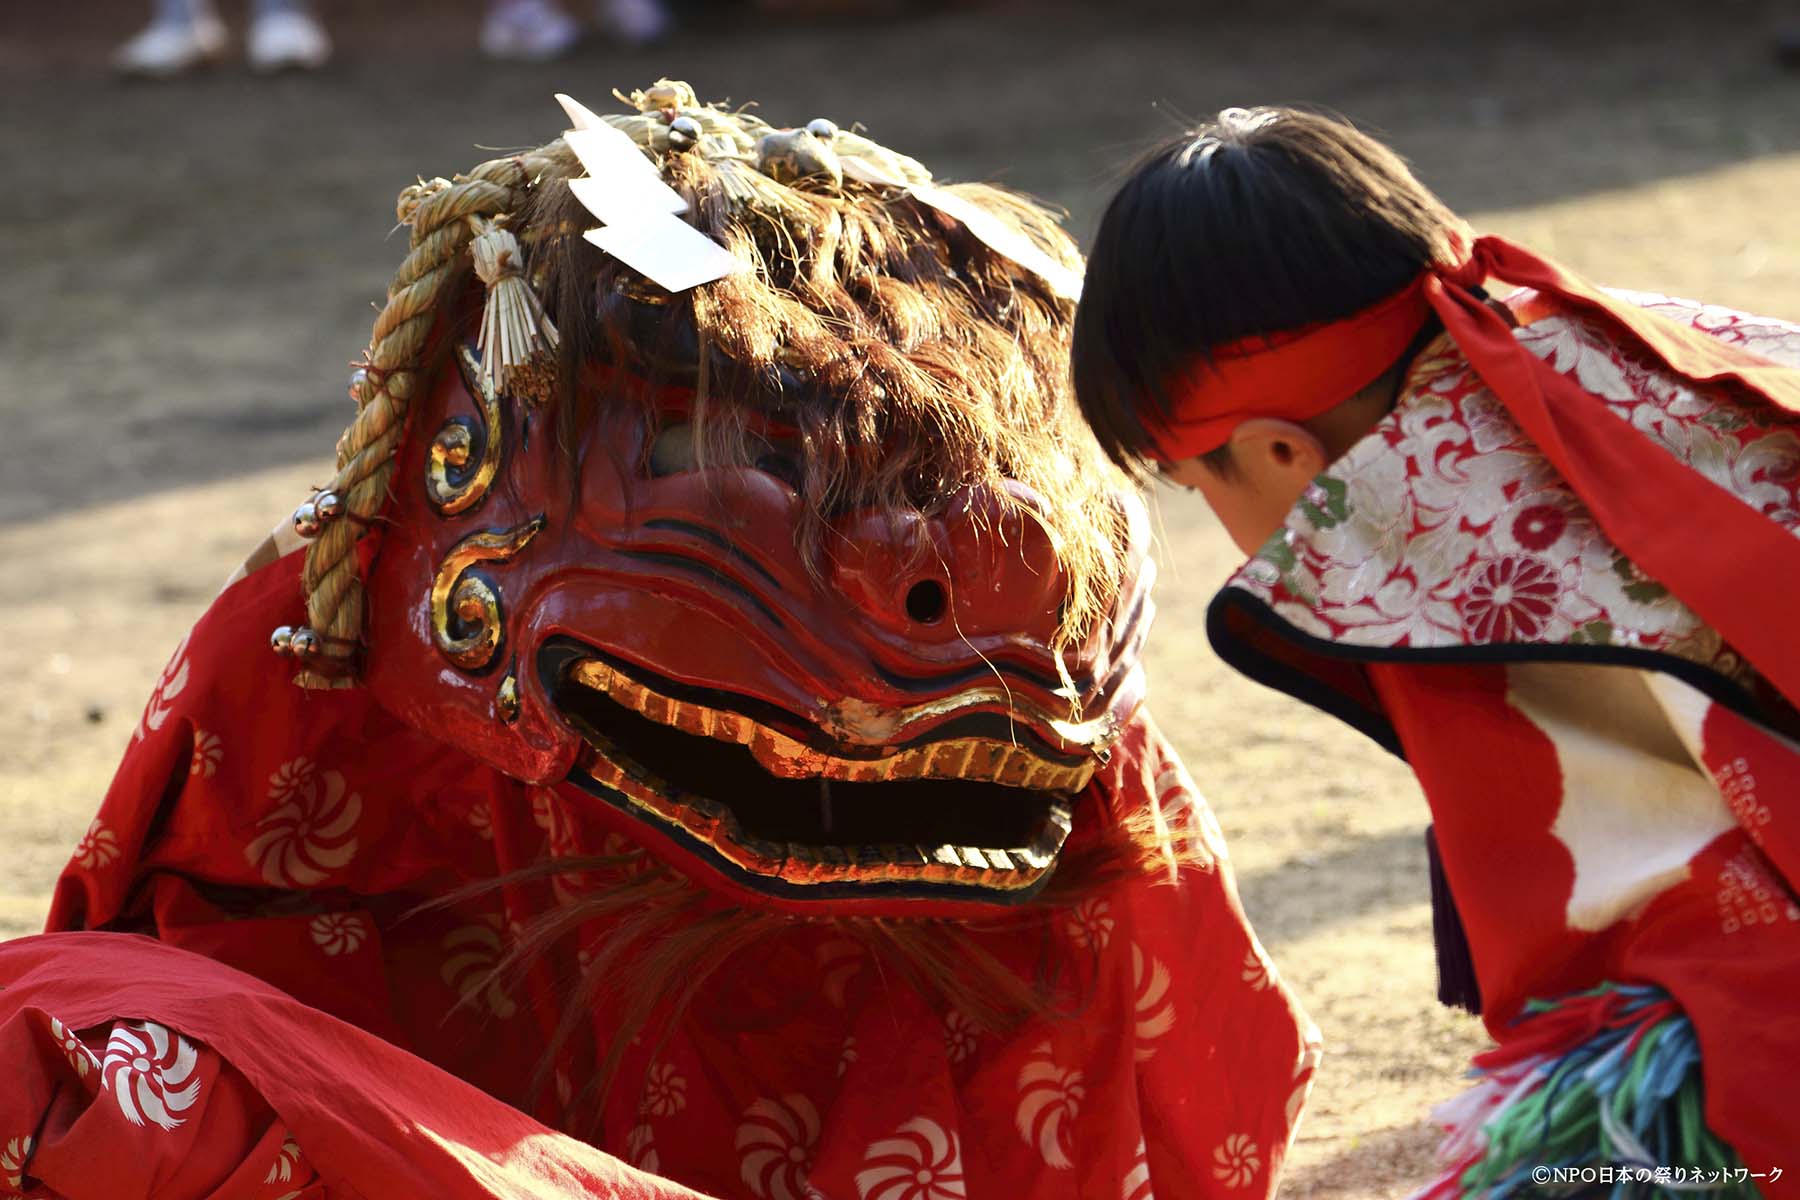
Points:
point(1445, 527)
point(640, 1149)
point(1258, 971)
point(472, 957)
point(311, 831)
point(665, 1091)
point(74, 1049)
point(338, 933)
point(13, 1157)
point(1050, 1097)
point(775, 1143)
point(919, 1162)
point(1090, 923)
point(1237, 1161)
point(562, 841)
point(169, 686)
point(1305, 1074)
point(1136, 1184)
point(548, 814)
point(481, 820)
point(98, 847)
point(209, 750)
point(286, 1159)
point(1154, 1010)
point(960, 1036)
point(1183, 813)
point(150, 1072)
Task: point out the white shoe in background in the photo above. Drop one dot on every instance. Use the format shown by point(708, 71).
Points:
point(168, 48)
point(634, 22)
point(528, 31)
point(284, 39)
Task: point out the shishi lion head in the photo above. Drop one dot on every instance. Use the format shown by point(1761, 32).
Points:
point(810, 570)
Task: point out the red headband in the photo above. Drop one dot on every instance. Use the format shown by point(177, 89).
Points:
point(1691, 535)
point(1295, 375)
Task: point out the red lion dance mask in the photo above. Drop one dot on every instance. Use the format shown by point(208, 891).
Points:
point(809, 570)
point(721, 727)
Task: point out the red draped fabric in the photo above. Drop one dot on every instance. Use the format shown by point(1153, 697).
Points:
point(1719, 929)
point(309, 839)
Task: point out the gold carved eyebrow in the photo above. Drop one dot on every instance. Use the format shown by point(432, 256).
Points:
point(465, 608)
point(465, 455)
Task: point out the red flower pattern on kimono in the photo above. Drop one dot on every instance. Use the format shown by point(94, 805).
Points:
point(1510, 599)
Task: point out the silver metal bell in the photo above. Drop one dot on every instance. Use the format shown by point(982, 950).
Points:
point(282, 640)
point(304, 643)
point(329, 506)
point(684, 133)
point(306, 520)
point(789, 155)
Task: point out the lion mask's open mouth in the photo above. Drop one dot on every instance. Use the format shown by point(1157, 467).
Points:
point(957, 801)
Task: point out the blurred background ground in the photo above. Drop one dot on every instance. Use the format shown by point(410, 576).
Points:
point(190, 266)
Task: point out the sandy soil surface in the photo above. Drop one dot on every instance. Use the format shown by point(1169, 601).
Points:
point(190, 267)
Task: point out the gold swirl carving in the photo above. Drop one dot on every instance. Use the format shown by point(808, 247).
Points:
point(465, 609)
point(465, 456)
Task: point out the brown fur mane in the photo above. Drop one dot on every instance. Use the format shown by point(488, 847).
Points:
point(667, 939)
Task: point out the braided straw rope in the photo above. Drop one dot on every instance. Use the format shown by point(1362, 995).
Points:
point(439, 213)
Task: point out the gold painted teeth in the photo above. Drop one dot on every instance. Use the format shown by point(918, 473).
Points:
point(708, 821)
point(977, 759)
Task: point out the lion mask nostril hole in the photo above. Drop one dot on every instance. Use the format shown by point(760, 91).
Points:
point(926, 601)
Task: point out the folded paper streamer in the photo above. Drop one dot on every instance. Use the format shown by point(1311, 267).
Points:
point(988, 229)
point(642, 226)
point(642, 223)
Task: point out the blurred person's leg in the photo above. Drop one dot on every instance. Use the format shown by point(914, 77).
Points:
point(634, 22)
point(182, 34)
point(854, 9)
point(285, 34)
point(527, 30)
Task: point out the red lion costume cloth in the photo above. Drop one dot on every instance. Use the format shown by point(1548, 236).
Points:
point(720, 765)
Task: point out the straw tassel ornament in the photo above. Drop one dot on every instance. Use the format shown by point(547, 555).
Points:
point(514, 325)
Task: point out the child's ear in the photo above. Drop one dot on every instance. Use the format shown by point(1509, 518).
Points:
point(1277, 455)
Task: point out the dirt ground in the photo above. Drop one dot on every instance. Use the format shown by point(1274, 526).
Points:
point(190, 266)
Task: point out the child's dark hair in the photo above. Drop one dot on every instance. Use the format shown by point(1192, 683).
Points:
point(1262, 220)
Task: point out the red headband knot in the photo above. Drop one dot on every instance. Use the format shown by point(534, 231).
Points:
point(1300, 373)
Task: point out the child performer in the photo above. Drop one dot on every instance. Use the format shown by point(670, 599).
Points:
point(1545, 548)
